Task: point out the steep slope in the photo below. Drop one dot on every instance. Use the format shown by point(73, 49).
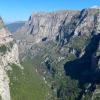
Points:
point(8, 56)
point(26, 84)
point(64, 38)
point(17, 82)
point(59, 26)
point(42, 26)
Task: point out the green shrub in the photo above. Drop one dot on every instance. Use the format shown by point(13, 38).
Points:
point(6, 47)
point(3, 49)
point(11, 44)
point(79, 42)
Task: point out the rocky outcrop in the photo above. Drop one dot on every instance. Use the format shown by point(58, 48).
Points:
point(42, 26)
point(8, 55)
point(62, 23)
point(60, 26)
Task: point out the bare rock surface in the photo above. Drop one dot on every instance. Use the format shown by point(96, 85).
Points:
point(8, 55)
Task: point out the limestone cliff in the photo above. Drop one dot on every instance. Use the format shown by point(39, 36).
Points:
point(8, 56)
point(60, 26)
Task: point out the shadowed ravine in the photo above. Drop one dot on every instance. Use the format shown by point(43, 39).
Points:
point(86, 69)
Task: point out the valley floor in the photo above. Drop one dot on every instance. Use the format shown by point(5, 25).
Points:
point(27, 84)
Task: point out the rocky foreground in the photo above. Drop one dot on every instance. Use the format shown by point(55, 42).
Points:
point(8, 56)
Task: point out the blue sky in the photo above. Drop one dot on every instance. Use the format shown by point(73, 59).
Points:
point(17, 10)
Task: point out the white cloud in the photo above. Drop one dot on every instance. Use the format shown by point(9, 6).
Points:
point(95, 7)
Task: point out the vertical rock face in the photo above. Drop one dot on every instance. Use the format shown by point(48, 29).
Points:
point(8, 55)
point(50, 24)
point(59, 25)
point(44, 24)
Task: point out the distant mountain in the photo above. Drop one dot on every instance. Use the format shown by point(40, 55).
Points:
point(13, 27)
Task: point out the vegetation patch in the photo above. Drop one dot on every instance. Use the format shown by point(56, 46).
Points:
point(79, 42)
point(6, 47)
point(26, 84)
point(48, 64)
point(3, 49)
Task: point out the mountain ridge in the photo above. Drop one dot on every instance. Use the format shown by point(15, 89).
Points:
point(14, 26)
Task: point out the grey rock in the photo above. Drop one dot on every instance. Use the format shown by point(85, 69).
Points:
point(59, 25)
